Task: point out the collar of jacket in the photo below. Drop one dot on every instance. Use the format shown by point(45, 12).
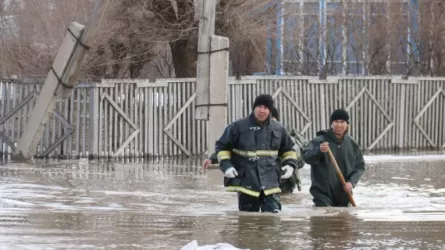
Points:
point(253, 121)
point(330, 135)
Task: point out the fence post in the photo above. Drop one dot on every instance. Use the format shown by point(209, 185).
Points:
point(401, 116)
point(93, 135)
point(400, 142)
point(323, 113)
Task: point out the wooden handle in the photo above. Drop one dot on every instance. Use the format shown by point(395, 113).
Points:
point(340, 176)
point(213, 165)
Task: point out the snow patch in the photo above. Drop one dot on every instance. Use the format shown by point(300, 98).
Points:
point(220, 246)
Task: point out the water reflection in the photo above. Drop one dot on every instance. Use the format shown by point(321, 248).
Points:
point(166, 204)
point(253, 231)
point(332, 232)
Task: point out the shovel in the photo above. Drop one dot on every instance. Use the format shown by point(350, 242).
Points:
point(340, 176)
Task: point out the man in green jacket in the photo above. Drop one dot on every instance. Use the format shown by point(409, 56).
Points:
point(326, 188)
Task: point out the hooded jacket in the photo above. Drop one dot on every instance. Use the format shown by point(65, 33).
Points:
point(325, 183)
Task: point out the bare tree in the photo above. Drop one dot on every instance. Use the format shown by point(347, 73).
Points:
point(308, 57)
point(163, 63)
point(35, 31)
point(133, 29)
point(372, 38)
point(431, 38)
point(141, 38)
point(150, 21)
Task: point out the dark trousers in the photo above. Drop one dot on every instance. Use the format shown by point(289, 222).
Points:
point(270, 203)
point(325, 202)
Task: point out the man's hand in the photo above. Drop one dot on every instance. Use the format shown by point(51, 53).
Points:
point(206, 163)
point(231, 173)
point(288, 172)
point(324, 147)
point(348, 187)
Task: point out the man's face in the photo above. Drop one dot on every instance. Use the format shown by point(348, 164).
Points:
point(339, 127)
point(261, 113)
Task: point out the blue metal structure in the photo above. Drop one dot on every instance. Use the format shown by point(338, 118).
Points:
point(271, 4)
point(278, 38)
point(269, 41)
point(414, 26)
point(322, 16)
point(269, 52)
point(319, 42)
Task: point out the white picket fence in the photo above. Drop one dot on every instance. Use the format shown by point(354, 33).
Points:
point(139, 118)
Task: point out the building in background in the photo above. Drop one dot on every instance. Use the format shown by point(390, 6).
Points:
point(355, 37)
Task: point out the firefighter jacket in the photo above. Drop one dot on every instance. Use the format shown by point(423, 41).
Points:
point(257, 152)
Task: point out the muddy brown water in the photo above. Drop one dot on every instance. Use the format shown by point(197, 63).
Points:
point(167, 204)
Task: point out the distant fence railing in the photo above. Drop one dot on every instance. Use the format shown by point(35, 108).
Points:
point(139, 118)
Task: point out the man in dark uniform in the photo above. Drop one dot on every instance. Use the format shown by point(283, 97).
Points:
point(287, 186)
point(326, 188)
point(213, 159)
point(252, 153)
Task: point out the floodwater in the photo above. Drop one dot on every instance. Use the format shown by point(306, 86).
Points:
point(166, 205)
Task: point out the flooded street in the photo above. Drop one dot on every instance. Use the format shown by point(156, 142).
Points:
point(165, 205)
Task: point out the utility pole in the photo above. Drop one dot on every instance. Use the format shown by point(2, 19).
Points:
point(205, 13)
point(60, 81)
point(212, 73)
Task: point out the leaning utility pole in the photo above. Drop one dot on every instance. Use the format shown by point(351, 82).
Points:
point(212, 73)
point(60, 80)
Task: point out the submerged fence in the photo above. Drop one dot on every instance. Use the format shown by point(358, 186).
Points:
point(138, 118)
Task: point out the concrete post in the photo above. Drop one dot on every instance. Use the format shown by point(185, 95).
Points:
point(219, 77)
point(212, 74)
point(60, 80)
point(206, 30)
point(45, 103)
